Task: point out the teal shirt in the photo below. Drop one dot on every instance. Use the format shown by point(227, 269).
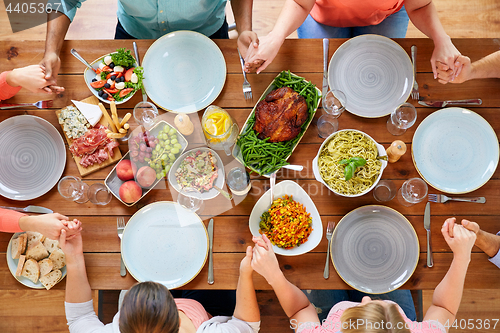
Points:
point(151, 19)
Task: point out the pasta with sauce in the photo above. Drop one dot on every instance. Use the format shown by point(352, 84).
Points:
point(345, 145)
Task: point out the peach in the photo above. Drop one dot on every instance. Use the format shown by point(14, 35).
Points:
point(146, 176)
point(130, 192)
point(124, 170)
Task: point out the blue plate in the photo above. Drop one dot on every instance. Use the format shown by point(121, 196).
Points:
point(455, 150)
point(165, 243)
point(184, 71)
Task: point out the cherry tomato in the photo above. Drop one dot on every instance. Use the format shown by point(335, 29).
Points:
point(111, 91)
point(98, 84)
point(125, 92)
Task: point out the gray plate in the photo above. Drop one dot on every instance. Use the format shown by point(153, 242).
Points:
point(375, 249)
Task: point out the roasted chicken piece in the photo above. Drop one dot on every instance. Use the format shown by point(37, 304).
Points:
point(280, 115)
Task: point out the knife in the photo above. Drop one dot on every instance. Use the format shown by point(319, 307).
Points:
point(144, 96)
point(210, 256)
point(442, 104)
point(427, 226)
point(31, 209)
point(325, 67)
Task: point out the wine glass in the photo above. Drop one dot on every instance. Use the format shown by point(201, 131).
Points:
point(412, 191)
point(73, 189)
point(145, 113)
point(99, 194)
point(402, 118)
point(334, 102)
point(190, 198)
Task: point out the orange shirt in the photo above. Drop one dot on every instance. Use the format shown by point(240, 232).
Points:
point(9, 220)
point(6, 91)
point(354, 13)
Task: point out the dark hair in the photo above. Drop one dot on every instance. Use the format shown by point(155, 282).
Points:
point(148, 307)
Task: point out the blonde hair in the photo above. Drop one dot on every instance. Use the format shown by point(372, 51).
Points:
point(148, 307)
point(373, 318)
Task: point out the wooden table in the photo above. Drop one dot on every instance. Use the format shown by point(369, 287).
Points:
point(232, 236)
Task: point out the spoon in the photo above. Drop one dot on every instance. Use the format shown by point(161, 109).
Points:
point(272, 181)
point(293, 167)
point(79, 57)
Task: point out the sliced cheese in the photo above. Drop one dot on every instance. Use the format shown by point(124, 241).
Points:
point(92, 112)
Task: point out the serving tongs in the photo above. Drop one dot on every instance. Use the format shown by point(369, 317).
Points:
point(144, 96)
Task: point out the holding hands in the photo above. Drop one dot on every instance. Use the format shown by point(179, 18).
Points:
point(51, 225)
point(459, 239)
point(33, 78)
point(264, 259)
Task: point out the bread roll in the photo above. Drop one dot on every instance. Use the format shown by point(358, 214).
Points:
point(58, 259)
point(46, 266)
point(20, 265)
point(37, 251)
point(18, 246)
point(50, 244)
point(33, 237)
point(31, 270)
point(51, 279)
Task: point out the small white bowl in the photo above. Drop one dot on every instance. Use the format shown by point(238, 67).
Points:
point(290, 188)
point(317, 175)
point(88, 75)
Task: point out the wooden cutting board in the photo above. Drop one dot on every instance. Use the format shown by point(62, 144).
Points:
point(117, 155)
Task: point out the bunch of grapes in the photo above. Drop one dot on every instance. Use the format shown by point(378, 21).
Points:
point(165, 152)
point(141, 147)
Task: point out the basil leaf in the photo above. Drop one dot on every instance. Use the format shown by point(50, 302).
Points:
point(349, 171)
point(358, 161)
point(345, 161)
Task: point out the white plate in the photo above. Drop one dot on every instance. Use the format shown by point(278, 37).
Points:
point(165, 243)
point(219, 182)
point(12, 263)
point(184, 71)
point(293, 189)
point(88, 75)
point(455, 150)
point(32, 157)
point(375, 74)
point(375, 249)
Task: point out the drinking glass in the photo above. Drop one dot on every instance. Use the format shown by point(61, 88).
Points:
point(190, 198)
point(145, 113)
point(73, 189)
point(327, 124)
point(334, 102)
point(412, 191)
point(238, 181)
point(385, 191)
point(99, 194)
point(402, 118)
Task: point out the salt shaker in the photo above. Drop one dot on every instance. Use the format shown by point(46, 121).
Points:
point(184, 124)
point(395, 151)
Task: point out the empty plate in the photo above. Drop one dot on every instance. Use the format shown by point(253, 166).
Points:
point(165, 243)
point(455, 150)
point(184, 71)
point(32, 157)
point(375, 74)
point(375, 249)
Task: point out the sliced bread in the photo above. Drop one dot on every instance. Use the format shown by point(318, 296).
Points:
point(20, 265)
point(50, 244)
point(51, 279)
point(18, 246)
point(34, 237)
point(46, 266)
point(37, 251)
point(31, 270)
point(58, 259)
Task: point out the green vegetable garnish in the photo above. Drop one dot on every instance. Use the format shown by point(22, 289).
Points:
point(139, 71)
point(123, 58)
point(352, 164)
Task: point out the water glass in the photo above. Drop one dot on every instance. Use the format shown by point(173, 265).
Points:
point(385, 191)
point(334, 102)
point(73, 189)
point(327, 124)
point(412, 191)
point(402, 118)
point(99, 194)
point(238, 181)
point(190, 198)
point(145, 113)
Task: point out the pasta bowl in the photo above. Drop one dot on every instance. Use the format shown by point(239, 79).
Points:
point(329, 172)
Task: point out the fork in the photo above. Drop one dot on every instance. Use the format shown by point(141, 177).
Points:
point(414, 93)
point(39, 104)
point(247, 89)
point(441, 198)
point(329, 233)
point(120, 225)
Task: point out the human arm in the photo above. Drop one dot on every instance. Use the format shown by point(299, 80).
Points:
point(293, 301)
point(31, 78)
point(50, 225)
point(242, 11)
point(423, 15)
point(487, 67)
point(488, 243)
point(247, 308)
point(448, 294)
point(292, 15)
